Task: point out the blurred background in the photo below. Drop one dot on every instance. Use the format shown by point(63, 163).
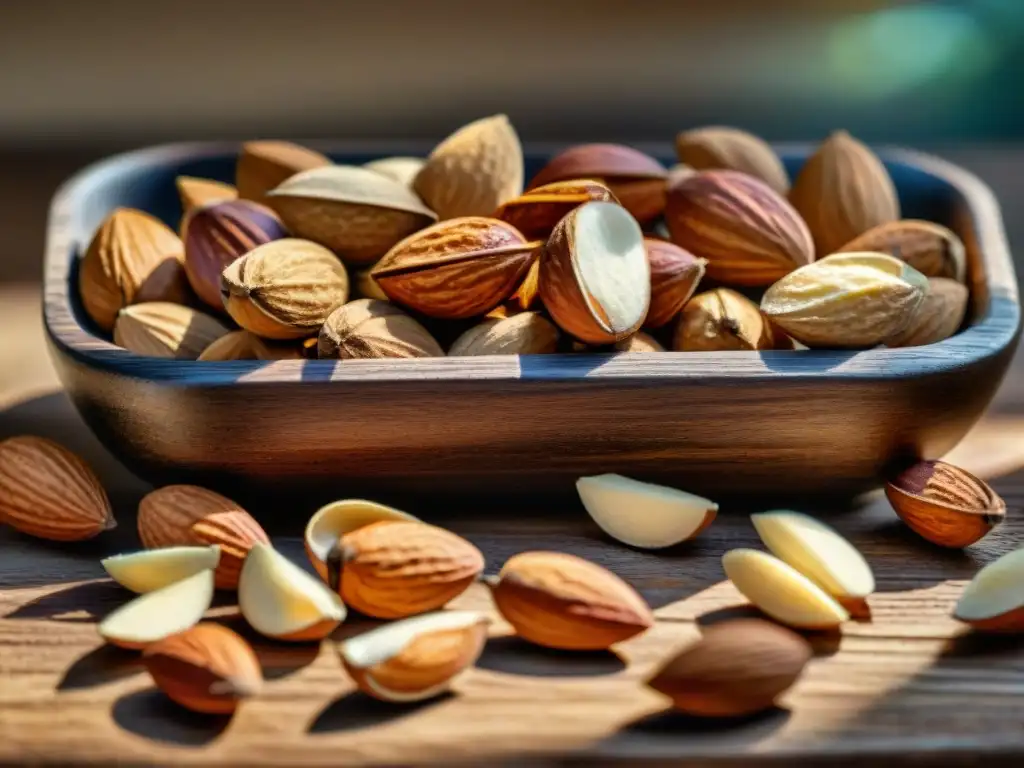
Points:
point(79, 80)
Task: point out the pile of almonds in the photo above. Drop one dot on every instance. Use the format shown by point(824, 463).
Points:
point(603, 249)
point(387, 564)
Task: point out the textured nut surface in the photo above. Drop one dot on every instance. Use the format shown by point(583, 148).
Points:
point(536, 212)
point(717, 147)
point(931, 249)
point(842, 191)
point(940, 315)
point(49, 492)
point(162, 329)
point(993, 600)
point(132, 258)
point(367, 328)
point(675, 274)
point(723, 320)
point(332, 521)
point(243, 345)
point(474, 170)
point(195, 192)
point(401, 169)
point(526, 333)
point(262, 165)
point(563, 601)
point(737, 668)
point(285, 289)
point(639, 342)
point(945, 504)
point(849, 300)
point(749, 234)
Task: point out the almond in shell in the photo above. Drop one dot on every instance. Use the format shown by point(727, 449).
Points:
point(723, 320)
point(536, 212)
point(243, 345)
point(931, 249)
point(525, 333)
point(639, 342)
point(367, 328)
point(162, 329)
point(675, 274)
point(195, 192)
point(940, 315)
point(992, 601)
point(262, 165)
point(716, 147)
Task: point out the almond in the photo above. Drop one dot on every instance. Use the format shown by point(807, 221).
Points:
point(528, 292)
point(415, 659)
point(931, 249)
point(842, 191)
point(367, 328)
point(940, 315)
point(159, 614)
point(357, 213)
point(392, 569)
point(715, 147)
point(639, 342)
point(748, 233)
point(474, 170)
point(262, 165)
point(332, 521)
point(723, 320)
point(563, 601)
point(536, 212)
point(636, 180)
point(186, 515)
point(737, 668)
point(218, 234)
point(161, 329)
point(207, 669)
point(48, 492)
point(675, 274)
point(457, 268)
point(993, 600)
point(195, 192)
point(243, 345)
point(153, 569)
point(285, 289)
point(526, 333)
point(594, 276)
point(133, 257)
point(401, 169)
point(945, 504)
point(850, 300)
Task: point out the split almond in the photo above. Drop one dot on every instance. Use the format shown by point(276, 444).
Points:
point(643, 514)
point(415, 659)
point(186, 515)
point(994, 600)
point(332, 521)
point(781, 591)
point(48, 492)
point(207, 669)
point(536, 212)
point(159, 614)
point(153, 569)
point(391, 569)
point(563, 601)
point(282, 601)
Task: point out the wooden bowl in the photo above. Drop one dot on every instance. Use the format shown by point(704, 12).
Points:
point(757, 423)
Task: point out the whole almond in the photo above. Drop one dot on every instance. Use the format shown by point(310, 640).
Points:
point(536, 212)
point(367, 328)
point(931, 249)
point(636, 179)
point(716, 147)
point(242, 345)
point(207, 668)
point(563, 601)
point(737, 668)
point(723, 320)
point(639, 342)
point(748, 233)
point(48, 492)
point(262, 165)
point(944, 504)
point(392, 569)
point(285, 289)
point(219, 233)
point(161, 329)
point(849, 300)
point(474, 170)
point(675, 274)
point(457, 268)
point(842, 191)
point(195, 192)
point(525, 333)
point(595, 279)
point(186, 515)
point(404, 170)
point(357, 213)
point(940, 315)
point(133, 257)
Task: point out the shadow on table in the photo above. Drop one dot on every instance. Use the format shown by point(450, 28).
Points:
point(356, 710)
point(100, 666)
point(515, 656)
point(89, 602)
point(150, 714)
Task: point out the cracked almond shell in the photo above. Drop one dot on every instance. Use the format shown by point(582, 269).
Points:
point(367, 328)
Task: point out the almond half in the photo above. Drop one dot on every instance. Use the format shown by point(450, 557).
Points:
point(993, 601)
point(153, 569)
point(332, 521)
point(643, 514)
point(159, 614)
point(417, 658)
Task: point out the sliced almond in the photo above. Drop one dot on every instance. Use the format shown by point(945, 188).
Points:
point(153, 569)
point(161, 613)
point(643, 514)
point(817, 551)
point(282, 601)
point(781, 591)
point(332, 521)
point(994, 600)
point(417, 658)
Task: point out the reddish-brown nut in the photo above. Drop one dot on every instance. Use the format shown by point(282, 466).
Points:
point(675, 274)
point(536, 212)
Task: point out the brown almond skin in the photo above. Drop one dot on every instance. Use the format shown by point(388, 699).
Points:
point(187, 515)
point(931, 249)
point(715, 147)
point(48, 492)
point(562, 601)
point(724, 320)
point(940, 315)
point(207, 668)
point(367, 328)
point(524, 333)
point(536, 212)
point(393, 569)
point(944, 504)
point(639, 342)
point(675, 274)
point(737, 668)
point(262, 165)
point(195, 192)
